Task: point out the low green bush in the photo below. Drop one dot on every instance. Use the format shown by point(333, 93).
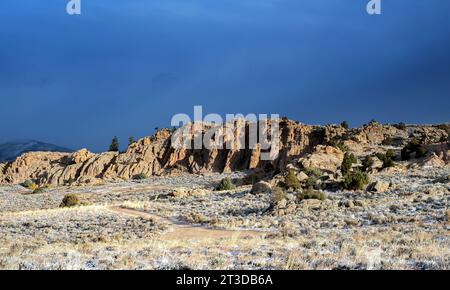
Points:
point(390, 154)
point(400, 126)
point(70, 200)
point(70, 181)
point(311, 194)
point(367, 162)
point(39, 190)
point(421, 152)
point(226, 184)
point(342, 147)
point(311, 181)
point(312, 171)
point(338, 144)
point(356, 180)
point(291, 180)
point(27, 183)
point(347, 162)
point(414, 146)
point(387, 158)
point(278, 194)
point(140, 176)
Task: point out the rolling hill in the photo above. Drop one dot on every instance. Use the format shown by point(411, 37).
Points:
point(10, 150)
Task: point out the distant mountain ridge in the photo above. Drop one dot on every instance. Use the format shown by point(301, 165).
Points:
point(11, 150)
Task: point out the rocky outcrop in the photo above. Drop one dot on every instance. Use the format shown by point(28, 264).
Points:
point(37, 166)
point(442, 150)
point(55, 168)
point(375, 133)
point(326, 158)
point(155, 155)
point(432, 161)
point(297, 144)
point(2, 167)
point(82, 156)
point(429, 134)
point(335, 133)
point(375, 165)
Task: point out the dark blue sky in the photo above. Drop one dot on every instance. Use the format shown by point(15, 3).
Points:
point(125, 67)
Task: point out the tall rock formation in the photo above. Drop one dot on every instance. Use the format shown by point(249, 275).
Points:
point(156, 154)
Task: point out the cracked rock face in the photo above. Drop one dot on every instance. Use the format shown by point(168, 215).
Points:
point(155, 155)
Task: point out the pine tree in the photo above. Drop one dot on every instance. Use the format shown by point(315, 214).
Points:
point(114, 147)
point(131, 140)
point(344, 125)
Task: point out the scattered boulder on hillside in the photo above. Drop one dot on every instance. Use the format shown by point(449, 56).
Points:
point(355, 147)
point(377, 163)
point(432, 161)
point(441, 149)
point(326, 158)
point(379, 186)
point(285, 206)
point(376, 133)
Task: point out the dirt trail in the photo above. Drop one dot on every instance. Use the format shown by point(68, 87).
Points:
point(182, 230)
point(139, 188)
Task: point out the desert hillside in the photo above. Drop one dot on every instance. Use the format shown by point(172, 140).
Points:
point(375, 197)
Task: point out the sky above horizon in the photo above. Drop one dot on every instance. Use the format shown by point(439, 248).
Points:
point(125, 67)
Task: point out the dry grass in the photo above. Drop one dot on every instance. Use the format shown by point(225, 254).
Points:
point(405, 229)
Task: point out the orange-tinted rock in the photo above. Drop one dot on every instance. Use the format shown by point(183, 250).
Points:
point(157, 155)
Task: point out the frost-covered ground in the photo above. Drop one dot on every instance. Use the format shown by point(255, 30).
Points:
point(406, 227)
